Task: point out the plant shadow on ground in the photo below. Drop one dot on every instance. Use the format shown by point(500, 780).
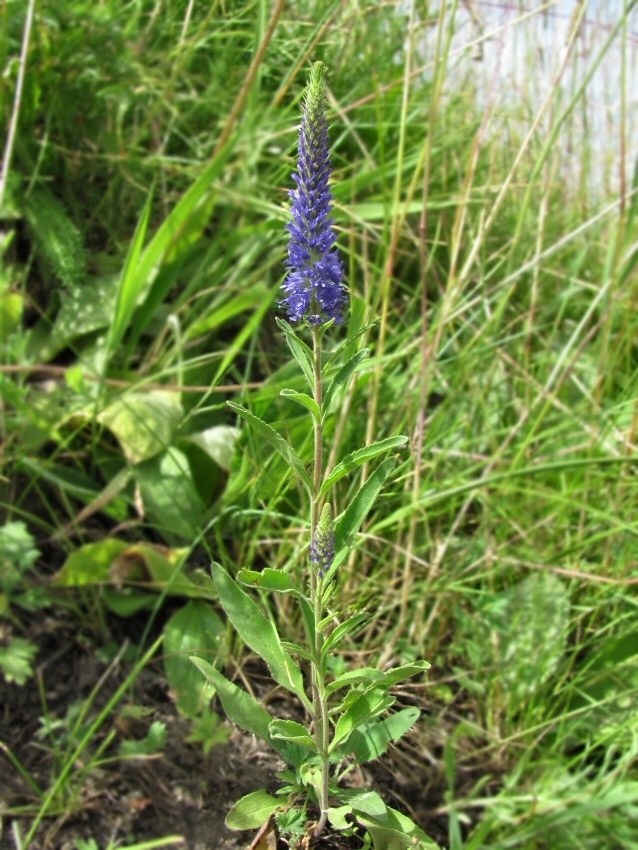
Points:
point(178, 792)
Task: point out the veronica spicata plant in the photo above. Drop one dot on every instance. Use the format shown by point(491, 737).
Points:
point(346, 716)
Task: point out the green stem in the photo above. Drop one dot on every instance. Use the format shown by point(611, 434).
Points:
point(320, 703)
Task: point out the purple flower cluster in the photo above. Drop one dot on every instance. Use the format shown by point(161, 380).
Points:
point(314, 288)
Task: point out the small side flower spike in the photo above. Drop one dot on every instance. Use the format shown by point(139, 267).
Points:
point(314, 288)
point(322, 548)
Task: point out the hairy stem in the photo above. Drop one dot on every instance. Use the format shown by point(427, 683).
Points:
point(320, 704)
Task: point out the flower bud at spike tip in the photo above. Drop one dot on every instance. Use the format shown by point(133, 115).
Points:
point(322, 548)
point(314, 288)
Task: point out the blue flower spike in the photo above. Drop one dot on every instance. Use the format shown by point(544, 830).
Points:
point(314, 286)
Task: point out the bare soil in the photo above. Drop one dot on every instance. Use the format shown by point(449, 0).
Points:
point(177, 793)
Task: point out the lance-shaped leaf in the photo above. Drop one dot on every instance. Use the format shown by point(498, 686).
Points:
point(303, 399)
point(362, 708)
point(258, 633)
point(277, 441)
point(368, 675)
point(359, 457)
point(341, 379)
point(295, 733)
point(398, 674)
point(372, 740)
point(240, 707)
point(269, 579)
point(357, 510)
point(300, 351)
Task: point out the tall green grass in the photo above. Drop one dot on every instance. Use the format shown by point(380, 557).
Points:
point(143, 219)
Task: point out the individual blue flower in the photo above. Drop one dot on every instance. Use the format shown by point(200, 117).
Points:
point(314, 288)
point(322, 547)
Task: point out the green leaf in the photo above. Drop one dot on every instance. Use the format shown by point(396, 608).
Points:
point(240, 707)
point(395, 831)
point(16, 659)
point(537, 633)
point(17, 547)
point(339, 817)
point(289, 730)
point(128, 601)
point(173, 227)
point(342, 630)
point(300, 651)
point(362, 708)
point(218, 442)
point(269, 579)
point(193, 631)
point(277, 441)
point(152, 744)
point(169, 494)
point(144, 423)
point(165, 568)
point(364, 674)
point(398, 674)
point(83, 310)
point(11, 307)
point(371, 741)
point(364, 802)
point(308, 614)
point(304, 400)
point(252, 811)
point(358, 509)
point(341, 379)
point(258, 633)
point(90, 564)
point(131, 283)
point(357, 458)
point(300, 351)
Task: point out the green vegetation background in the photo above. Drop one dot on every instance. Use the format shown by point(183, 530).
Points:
point(143, 249)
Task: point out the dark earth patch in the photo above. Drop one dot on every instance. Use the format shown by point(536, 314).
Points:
point(178, 793)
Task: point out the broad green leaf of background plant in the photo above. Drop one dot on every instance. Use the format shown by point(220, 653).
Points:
point(144, 423)
point(193, 631)
point(395, 831)
point(90, 564)
point(218, 442)
point(170, 496)
point(364, 802)
point(84, 310)
point(258, 633)
point(252, 811)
